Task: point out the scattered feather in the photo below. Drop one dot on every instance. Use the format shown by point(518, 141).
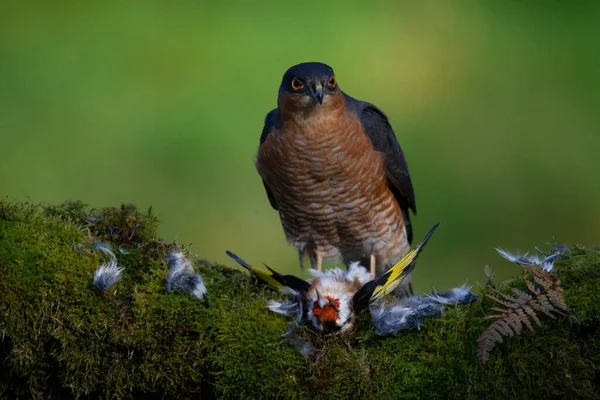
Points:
point(457, 295)
point(191, 283)
point(389, 320)
point(489, 273)
point(302, 346)
point(521, 259)
point(559, 248)
point(290, 308)
point(287, 308)
point(412, 311)
point(546, 263)
point(178, 262)
point(181, 276)
point(105, 248)
point(93, 219)
point(107, 275)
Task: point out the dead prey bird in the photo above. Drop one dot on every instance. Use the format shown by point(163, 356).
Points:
point(331, 301)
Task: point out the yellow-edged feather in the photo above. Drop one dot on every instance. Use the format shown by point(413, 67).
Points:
point(265, 276)
point(400, 270)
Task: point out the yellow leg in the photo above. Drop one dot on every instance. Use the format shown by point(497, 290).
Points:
point(319, 260)
point(372, 266)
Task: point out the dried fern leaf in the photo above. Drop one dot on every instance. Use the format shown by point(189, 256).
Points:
point(532, 314)
point(542, 296)
point(497, 300)
point(515, 322)
point(506, 296)
point(504, 328)
point(494, 315)
point(542, 278)
point(530, 285)
point(522, 296)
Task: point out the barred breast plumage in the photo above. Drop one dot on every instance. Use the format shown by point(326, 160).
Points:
point(330, 186)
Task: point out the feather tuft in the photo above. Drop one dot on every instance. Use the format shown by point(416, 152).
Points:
point(287, 308)
point(106, 275)
point(105, 248)
point(521, 259)
point(412, 311)
point(457, 295)
point(357, 272)
point(181, 276)
point(354, 272)
point(546, 263)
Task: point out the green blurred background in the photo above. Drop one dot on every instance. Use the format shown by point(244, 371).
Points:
point(496, 104)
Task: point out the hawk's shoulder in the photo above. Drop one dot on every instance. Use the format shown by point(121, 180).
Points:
point(377, 127)
point(272, 122)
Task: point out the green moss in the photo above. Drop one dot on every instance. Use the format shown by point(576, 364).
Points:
point(60, 336)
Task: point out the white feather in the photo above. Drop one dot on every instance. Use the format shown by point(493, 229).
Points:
point(547, 263)
point(106, 275)
point(357, 272)
point(412, 311)
point(181, 276)
point(457, 295)
point(287, 308)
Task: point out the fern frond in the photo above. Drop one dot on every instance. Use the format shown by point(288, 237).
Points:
point(542, 296)
point(522, 296)
point(541, 278)
point(532, 314)
point(525, 320)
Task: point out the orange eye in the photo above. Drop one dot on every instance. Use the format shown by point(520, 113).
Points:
point(296, 84)
point(332, 81)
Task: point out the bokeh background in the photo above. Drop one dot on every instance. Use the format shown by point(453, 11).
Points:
point(496, 104)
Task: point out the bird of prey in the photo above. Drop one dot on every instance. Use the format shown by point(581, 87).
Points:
point(331, 301)
point(333, 168)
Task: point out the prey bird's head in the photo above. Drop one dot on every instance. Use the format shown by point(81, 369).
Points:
point(329, 300)
point(328, 313)
point(307, 85)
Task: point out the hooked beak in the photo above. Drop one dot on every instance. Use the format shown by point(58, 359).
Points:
point(318, 93)
point(321, 300)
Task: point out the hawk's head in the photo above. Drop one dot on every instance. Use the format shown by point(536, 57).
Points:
point(307, 85)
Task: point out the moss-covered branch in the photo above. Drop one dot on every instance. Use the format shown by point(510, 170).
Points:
point(60, 336)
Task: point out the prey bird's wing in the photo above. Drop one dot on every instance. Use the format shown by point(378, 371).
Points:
point(386, 283)
point(378, 129)
point(273, 278)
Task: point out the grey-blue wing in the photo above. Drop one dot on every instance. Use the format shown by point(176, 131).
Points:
point(271, 122)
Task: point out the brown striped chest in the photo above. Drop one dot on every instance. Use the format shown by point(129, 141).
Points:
point(320, 153)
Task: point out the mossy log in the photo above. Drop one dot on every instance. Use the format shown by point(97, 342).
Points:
point(60, 337)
